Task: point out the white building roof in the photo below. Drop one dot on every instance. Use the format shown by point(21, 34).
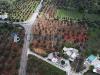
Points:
point(71, 52)
point(50, 56)
point(96, 63)
point(54, 60)
point(16, 38)
point(70, 49)
point(74, 55)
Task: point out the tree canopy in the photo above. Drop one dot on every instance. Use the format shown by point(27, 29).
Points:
point(91, 6)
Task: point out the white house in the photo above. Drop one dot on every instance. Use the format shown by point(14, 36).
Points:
point(71, 52)
point(16, 38)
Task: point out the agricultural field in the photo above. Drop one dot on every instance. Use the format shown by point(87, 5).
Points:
point(51, 35)
point(23, 10)
point(61, 12)
point(49, 10)
point(18, 10)
point(38, 67)
point(10, 52)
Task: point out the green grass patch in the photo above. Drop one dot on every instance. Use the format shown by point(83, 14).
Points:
point(62, 14)
point(94, 39)
point(92, 17)
point(90, 73)
point(36, 65)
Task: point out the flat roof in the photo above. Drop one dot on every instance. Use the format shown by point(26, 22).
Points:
point(91, 58)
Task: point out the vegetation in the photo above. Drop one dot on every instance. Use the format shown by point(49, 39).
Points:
point(78, 64)
point(90, 73)
point(89, 6)
point(52, 35)
point(19, 10)
point(73, 9)
point(94, 35)
point(5, 5)
point(92, 44)
point(23, 10)
point(63, 14)
point(56, 13)
point(38, 67)
point(9, 50)
point(53, 30)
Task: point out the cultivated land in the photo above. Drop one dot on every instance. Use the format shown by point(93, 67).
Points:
point(38, 67)
point(23, 10)
point(51, 33)
point(48, 34)
point(57, 27)
point(19, 10)
point(10, 52)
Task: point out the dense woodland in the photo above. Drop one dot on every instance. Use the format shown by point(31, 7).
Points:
point(10, 52)
point(91, 6)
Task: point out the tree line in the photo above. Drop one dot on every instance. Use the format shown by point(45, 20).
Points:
point(90, 6)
